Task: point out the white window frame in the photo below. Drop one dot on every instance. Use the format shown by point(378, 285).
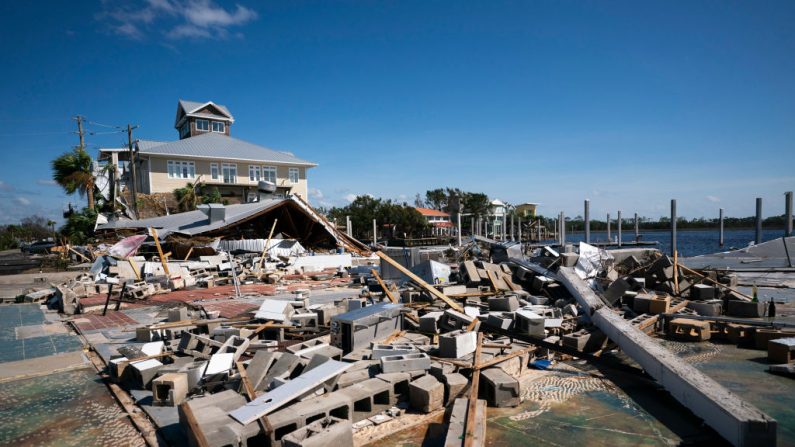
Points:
point(215, 173)
point(181, 169)
point(221, 126)
point(269, 174)
point(294, 172)
point(254, 173)
point(229, 168)
point(206, 125)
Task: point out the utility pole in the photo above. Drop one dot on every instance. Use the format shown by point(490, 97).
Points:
point(81, 134)
point(80, 131)
point(134, 182)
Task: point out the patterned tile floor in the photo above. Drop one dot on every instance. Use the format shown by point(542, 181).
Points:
point(12, 349)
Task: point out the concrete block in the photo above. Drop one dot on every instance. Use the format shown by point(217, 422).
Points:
point(711, 308)
point(502, 320)
point(498, 388)
point(659, 305)
point(529, 322)
point(457, 344)
point(507, 303)
point(453, 385)
point(405, 363)
point(781, 350)
point(703, 292)
point(745, 309)
point(430, 322)
point(616, 290)
point(569, 259)
point(426, 394)
point(368, 398)
point(642, 303)
point(399, 383)
point(689, 330)
point(538, 300)
point(178, 314)
point(381, 350)
point(145, 370)
point(328, 431)
point(170, 389)
point(453, 320)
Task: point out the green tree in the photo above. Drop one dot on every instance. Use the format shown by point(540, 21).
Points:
point(79, 227)
point(436, 198)
point(74, 172)
point(213, 196)
point(186, 197)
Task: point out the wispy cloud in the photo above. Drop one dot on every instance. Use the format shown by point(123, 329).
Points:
point(22, 201)
point(713, 199)
point(5, 187)
point(46, 182)
point(174, 19)
point(350, 197)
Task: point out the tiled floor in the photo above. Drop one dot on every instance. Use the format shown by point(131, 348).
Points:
point(11, 349)
point(94, 322)
point(230, 309)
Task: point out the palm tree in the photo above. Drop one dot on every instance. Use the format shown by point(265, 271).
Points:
point(74, 171)
point(186, 196)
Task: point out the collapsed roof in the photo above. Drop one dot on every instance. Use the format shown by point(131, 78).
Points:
point(294, 219)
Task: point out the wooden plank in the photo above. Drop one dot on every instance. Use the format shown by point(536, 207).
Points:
point(432, 290)
point(135, 268)
point(394, 336)
point(259, 329)
point(201, 440)
point(383, 286)
point(153, 232)
point(252, 394)
point(492, 280)
point(267, 243)
point(676, 272)
point(190, 250)
point(503, 358)
point(469, 429)
point(706, 278)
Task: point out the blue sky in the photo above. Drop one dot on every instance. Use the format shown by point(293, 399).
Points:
point(628, 104)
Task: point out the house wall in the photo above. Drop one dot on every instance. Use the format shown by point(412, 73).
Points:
point(160, 182)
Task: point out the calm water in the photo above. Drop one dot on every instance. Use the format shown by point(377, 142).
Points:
point(689, 242)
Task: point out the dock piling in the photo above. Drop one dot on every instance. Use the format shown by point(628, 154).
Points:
point(587, 221)
point(758, 236)
point(673, 226)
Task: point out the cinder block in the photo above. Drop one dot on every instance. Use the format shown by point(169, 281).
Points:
point(381, 350)
point(498, 388)
point(170, 389)
point(702, 292)
point(712, 308)
point(457, 344)
point(426, 394)
point(329, 431)
point(453, 385)
point(507, 303)
point(405, 363)
point(745, 309)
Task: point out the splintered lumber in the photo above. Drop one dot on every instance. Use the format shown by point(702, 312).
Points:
point(267, 243)
point(739, 422)
point(419, 281)
point(471, 421)
point(135, 269)
point(391, 296)
point(394, 336)
point(163, 261)
point(707, 278)
point(259, 329)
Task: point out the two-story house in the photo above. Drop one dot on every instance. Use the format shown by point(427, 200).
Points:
point(207, 152)
point(438, 220)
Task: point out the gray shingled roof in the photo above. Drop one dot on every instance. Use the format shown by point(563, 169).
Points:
point(219, 146)
point(190, 106)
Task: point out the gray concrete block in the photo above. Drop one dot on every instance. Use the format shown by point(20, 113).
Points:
point(405, 363)
point(502, 320)
point(616, 290)
point(453, 385)
point(328, 431)
point(430, 322)
point(498, 388)
point(382, 350)
point(702, 292)
point(712, 308)
point(507, 303)
point(569, 259)
point(745, 309)
point(457, 344)
point(426, 394)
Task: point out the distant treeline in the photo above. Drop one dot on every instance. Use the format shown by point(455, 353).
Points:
point(578, 224)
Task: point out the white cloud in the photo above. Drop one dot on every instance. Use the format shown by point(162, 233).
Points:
point(46, 182)
point(174, 19)
point(713, 199)
point(5, 187)
point(315, 193)
point(350, 197)
point(22, 201)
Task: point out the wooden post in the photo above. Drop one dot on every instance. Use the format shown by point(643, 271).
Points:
point(153, 232)
point(267, 243)
point(375, 233)
point(618, 226)
point(433, 291)
point(673, 226)
point(788, 214)
point(608, 229)
point(637, 228)
point(381, 283)
point(473, 396)
point(252, 394)
point(676, 273)
point(135, 268)
point(720, 223)
point(758, 238)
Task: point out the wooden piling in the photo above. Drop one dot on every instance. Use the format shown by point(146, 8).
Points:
point(758, 236)
point(720, 223)
point(587, 221)
point(788, 214)
point(673, 226)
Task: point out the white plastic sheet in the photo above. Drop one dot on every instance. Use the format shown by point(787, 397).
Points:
point(592, 260)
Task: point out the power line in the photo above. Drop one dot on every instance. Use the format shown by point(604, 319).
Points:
point(105, 125)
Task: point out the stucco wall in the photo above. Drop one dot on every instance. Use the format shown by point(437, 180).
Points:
point(160, 182)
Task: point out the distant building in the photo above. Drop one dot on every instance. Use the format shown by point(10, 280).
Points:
point(207, 151)
point(438, 220)
point(526, 210)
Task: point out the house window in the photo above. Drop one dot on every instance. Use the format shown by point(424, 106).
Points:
point(254, 173)
point(203, 125)
point(269, 174)
point(293, 173)
point(214, 171)
point(181, 169)
point(229, 170)
point(219, 126)
point(184, 131)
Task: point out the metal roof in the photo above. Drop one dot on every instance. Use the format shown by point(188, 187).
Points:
point(192, 106)
point(219, 146)
point(195, 222)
